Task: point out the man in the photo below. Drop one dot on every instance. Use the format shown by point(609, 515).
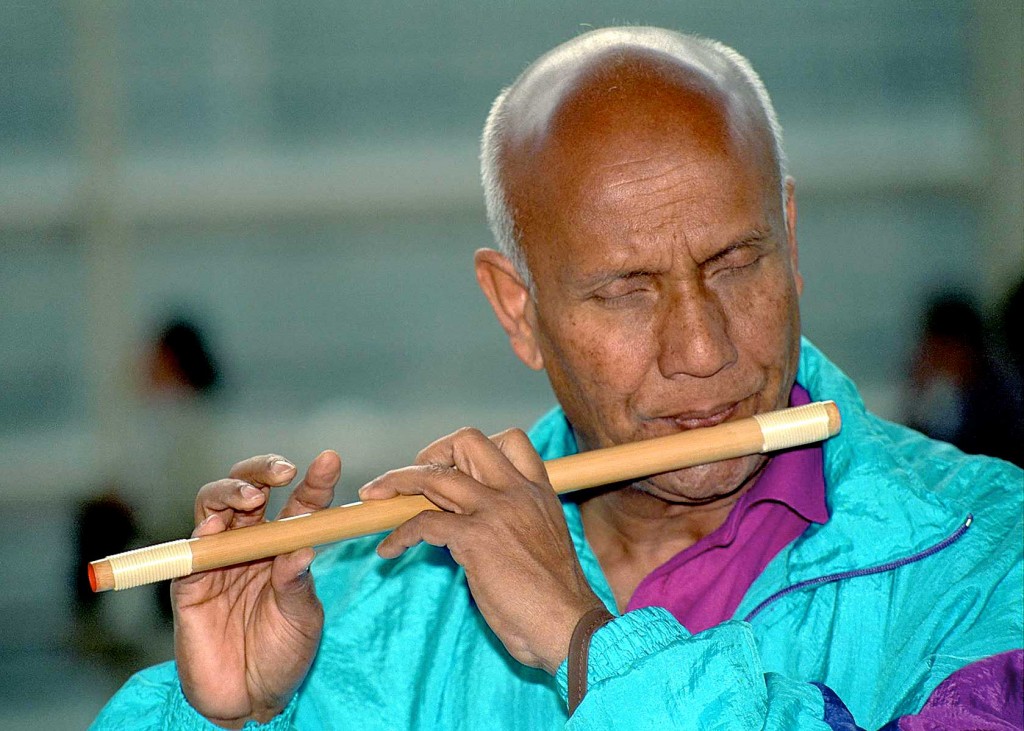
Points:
point(636, 185)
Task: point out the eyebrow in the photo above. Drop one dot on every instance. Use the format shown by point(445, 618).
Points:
point(754, 236)
point(598, 280)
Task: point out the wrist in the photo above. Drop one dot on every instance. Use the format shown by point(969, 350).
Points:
point(559, 647)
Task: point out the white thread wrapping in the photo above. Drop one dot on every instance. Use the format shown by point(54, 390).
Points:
point(153, 563)
point(793, 427)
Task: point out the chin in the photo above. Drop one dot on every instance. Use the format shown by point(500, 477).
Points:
point(704, 484)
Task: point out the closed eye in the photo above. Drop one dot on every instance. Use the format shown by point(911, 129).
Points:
point(622, 288)
point(735, 258)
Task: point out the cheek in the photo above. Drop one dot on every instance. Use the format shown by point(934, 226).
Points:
point(606, 355)
point(763, 317)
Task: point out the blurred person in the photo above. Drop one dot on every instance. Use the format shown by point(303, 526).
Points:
point(636, 187)
point(180, 378)
point(959, 390)
point(181, 360)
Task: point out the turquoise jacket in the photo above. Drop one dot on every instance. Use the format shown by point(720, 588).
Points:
point(916, 574)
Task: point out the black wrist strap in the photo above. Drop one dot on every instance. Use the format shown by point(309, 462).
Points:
point(579, 650)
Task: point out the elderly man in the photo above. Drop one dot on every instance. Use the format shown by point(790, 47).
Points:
point(636, 186)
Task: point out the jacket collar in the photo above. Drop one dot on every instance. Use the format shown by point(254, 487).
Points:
point(880, 510)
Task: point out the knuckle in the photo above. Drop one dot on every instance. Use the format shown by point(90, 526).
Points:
point(437, 471)
point(211, 489)
point(243, 466)
point(436, 447)
point(426, 520)
point(515, 435)
point(469, 434)
point(412, 526)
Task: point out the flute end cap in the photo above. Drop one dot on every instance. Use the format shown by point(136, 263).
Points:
point(101, 576)
point(835, 421)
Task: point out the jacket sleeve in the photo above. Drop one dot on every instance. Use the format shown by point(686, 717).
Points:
point(646, 671)
point(152, 701)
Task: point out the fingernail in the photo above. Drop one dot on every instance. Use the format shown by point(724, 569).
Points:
point(206, 520)
point(250, 493)
point(281, 466)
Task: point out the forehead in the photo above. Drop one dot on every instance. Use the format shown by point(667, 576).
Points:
point(650, 212)
point(636, 148)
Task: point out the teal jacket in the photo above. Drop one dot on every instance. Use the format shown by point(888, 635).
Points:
point(917, 573)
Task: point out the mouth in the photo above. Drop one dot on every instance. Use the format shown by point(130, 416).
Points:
point(700, 419)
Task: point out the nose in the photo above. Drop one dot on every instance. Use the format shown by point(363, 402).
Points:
point(693, 335)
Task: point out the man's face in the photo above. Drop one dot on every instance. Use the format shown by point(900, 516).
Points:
point(666, 294)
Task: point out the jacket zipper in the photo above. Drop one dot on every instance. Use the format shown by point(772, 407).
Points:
point(830, 578)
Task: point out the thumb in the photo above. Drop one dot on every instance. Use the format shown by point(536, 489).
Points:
point(292, 584)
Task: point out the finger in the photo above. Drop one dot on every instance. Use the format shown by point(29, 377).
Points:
point(316, 491)
point(519, 450)
point(266, 470)
point(237, 502)
point(446, 487)
point(437, 529)
point(442, 451)
point(212, 524)
point(469, 451)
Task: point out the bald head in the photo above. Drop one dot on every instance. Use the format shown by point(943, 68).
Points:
point(609, 90)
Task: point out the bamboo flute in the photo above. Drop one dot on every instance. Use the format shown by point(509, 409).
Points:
point(762, 433)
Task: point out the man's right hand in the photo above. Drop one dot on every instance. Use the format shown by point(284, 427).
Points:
point(245, 636)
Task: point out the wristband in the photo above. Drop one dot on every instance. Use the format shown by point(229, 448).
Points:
point(579, 649)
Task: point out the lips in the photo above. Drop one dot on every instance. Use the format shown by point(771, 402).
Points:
point(704, 418)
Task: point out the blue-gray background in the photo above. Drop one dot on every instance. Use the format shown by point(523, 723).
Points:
point(302, 177)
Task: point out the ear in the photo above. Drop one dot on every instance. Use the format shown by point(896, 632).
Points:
point(794, 256)
point(511, 301)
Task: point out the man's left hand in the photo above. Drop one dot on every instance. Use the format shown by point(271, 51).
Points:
point(503, 523)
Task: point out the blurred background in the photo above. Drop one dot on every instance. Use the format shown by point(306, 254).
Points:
point(228, 228)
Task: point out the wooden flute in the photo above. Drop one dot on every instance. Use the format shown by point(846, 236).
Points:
point(761, 433)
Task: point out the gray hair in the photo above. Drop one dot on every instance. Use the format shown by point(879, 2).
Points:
point(500, 217)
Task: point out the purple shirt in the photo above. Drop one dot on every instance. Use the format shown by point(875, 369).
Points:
point(703, 584)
